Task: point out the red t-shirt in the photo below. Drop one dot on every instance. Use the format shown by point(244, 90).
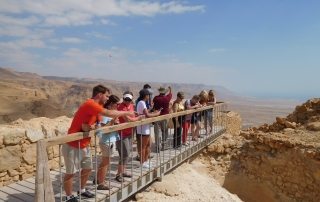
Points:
point(87, 114)
point(162, 101)
point(129, 108)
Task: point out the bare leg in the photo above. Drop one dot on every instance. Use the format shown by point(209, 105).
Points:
point(147, 151)
point(197, 130)
point(103, 168)
point(84, 177)
point(68, 178)
point(194, 136)
point(121, 169)
point(143, 151)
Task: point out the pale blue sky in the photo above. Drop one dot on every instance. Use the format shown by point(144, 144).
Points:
point(257, 48)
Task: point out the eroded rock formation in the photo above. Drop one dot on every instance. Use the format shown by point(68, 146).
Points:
point(277, 162)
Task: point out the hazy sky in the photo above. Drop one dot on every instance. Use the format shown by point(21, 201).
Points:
point(262, 48)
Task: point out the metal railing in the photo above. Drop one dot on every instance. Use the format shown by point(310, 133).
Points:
point(172, 150)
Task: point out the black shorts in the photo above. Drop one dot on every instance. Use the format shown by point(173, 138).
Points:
point(195, 118)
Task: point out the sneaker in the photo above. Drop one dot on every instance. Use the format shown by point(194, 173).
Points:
point(137, 158)
point(119, 178)
point(102, 187)
point(146, 165)
point(87, 194)
point(72, 199)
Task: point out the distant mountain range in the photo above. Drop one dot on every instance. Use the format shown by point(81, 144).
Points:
point(27, 95)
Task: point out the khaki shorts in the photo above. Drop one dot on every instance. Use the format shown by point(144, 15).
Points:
point(75, 158)
point(106, 149)
point(124, 150)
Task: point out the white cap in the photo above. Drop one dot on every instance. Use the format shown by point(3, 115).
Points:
point(127, 96)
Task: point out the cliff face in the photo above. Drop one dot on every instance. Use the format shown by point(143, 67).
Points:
point(27, 95)
point(276, 162)
point(305, 116)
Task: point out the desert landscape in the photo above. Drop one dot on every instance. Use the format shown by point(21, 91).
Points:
point(274, 162)
point(260, 58)
point(25, 95)
point(271, 146)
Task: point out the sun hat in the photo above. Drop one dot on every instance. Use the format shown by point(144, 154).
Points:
point(162, 90)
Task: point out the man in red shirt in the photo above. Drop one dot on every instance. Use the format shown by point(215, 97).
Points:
point(77, 153)
point(161, 103)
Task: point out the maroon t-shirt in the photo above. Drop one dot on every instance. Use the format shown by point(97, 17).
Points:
point(162, 101)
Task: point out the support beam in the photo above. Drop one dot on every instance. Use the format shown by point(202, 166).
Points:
point(44, 189)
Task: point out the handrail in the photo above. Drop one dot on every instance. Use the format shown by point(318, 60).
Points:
point(109, 129)
point(44, 188)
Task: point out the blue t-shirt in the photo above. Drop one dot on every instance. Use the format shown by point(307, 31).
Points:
point(106, 138)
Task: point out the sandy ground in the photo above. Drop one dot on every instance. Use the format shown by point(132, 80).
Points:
point(189, 182)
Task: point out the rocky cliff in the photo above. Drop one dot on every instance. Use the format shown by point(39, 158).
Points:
point(276, 162)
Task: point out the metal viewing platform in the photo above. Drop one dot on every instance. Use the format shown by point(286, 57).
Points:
point(47, 185)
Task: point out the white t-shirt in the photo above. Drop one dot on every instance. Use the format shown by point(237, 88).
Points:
point(143, 129)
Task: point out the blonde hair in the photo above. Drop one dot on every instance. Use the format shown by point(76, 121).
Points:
point(203, 96)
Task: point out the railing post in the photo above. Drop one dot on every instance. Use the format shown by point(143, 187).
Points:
point(44, 189)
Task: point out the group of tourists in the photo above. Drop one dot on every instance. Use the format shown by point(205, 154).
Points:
point(105, 109)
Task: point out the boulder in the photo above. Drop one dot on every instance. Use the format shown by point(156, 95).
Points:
point(11, 136)
point(34, 135)
point(301, 109)
point(61, 130)
point(10, 158)
point(314, 126)
point(2, 174)
point(289, 124)
point(30, 156)
point(280, 120)
point(13, 173)
point(62, 125)
point(48, 130)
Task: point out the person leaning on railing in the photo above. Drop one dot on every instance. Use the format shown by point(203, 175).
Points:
point(124, 145)
point(192, 119)
point(178, 121)
point(204, 114)
point(106, 142)
point(211, 101)
point(77, 153)
point(144, 131)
